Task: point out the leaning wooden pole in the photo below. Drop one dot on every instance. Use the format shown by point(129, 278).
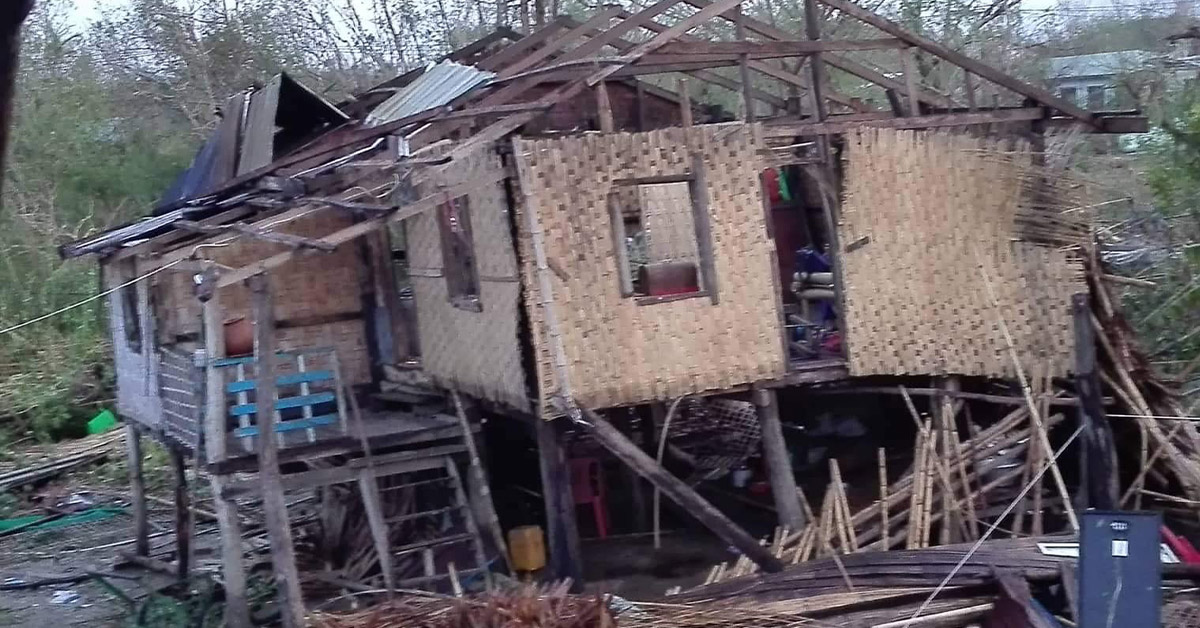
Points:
point(283, 554)
point(491, 519)
point(682, 494)
point(137, 490)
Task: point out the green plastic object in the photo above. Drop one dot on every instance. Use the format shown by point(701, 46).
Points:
point(102, 422)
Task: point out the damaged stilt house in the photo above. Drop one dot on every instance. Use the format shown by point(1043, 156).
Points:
point(559, 225)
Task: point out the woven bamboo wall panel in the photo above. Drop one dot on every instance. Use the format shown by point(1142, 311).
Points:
point(617, 351)
point(476, 352)
point(939, 212)
point(311, 286)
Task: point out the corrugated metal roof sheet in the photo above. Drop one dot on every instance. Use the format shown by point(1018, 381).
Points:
point(1099, 64)
point(438, 86)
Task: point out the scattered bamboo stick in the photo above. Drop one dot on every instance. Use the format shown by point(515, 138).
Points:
point(883, 495)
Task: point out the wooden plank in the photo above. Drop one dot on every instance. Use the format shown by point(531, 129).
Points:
point(518, 48)
point(617, 31)
point(368, 488)
point(702, 222)
point(283, 554)
point(479, 475)
point(598, 20)
point(834, 127)
point(679, 492)
point(562, 530)
point(603, 109)
point(971, 65)
point(778, 47)
point(779, 462)
point(137, 490)
point(672, 32)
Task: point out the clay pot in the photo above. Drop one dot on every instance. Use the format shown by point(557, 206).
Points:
point(239, 336)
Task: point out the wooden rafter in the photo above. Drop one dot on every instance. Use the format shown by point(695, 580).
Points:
point(598, 21)
point(979, 68)
point(761, 67)
point(768, 31)
point(514, 51)
point(273, 237)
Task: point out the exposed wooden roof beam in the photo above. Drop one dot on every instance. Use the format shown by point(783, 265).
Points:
point(273, 237)
point(776, 48)
point(971, 65)
point(767, 69)
point(598, 21)
point(618, 31)
point(847, 65)
point(832, 127)
point(622, 45)
point(514, 51)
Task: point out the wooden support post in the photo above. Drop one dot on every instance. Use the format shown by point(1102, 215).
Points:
point(679, 492)
point(137, 490)
point(233, 571)
point(744, 66)
point(562, 531)
point(685, 102)
point(183, 515)
point(816, 64)
point(603, 108)
point(1098, 464)
point(911, 80)
point(283, 555)
point(779, 463)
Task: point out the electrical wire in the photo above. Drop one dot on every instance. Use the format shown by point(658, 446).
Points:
point(995, 524)
point(87, 300)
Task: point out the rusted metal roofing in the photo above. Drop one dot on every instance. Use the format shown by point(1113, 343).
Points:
point(437, 87)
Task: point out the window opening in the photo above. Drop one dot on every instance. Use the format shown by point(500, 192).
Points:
point(660, 227)
point(458, 254)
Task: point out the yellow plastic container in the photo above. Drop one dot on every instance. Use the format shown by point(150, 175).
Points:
point(527, 545)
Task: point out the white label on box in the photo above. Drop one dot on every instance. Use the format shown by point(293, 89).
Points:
point(1120, 548)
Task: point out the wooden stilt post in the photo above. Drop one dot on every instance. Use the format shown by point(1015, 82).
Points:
point(478, 477)
point(562, 531)
point(679, 492)
point(233, 572)
point(779, 463)
point(137, 490)
point(183, 516)
point(283, 555)
point(1098, 472)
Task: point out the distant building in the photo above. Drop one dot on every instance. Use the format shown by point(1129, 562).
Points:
point(1105, 80)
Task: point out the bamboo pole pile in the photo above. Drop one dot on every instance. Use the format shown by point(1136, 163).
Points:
point(1169, 451)
point(938, 501)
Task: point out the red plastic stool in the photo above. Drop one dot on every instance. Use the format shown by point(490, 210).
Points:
point(587, 488)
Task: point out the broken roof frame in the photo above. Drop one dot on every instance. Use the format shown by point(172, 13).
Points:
point(571, 53)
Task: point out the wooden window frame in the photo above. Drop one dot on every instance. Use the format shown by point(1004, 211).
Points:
point(129, 298)
point(463, 291)
point(697, 181)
